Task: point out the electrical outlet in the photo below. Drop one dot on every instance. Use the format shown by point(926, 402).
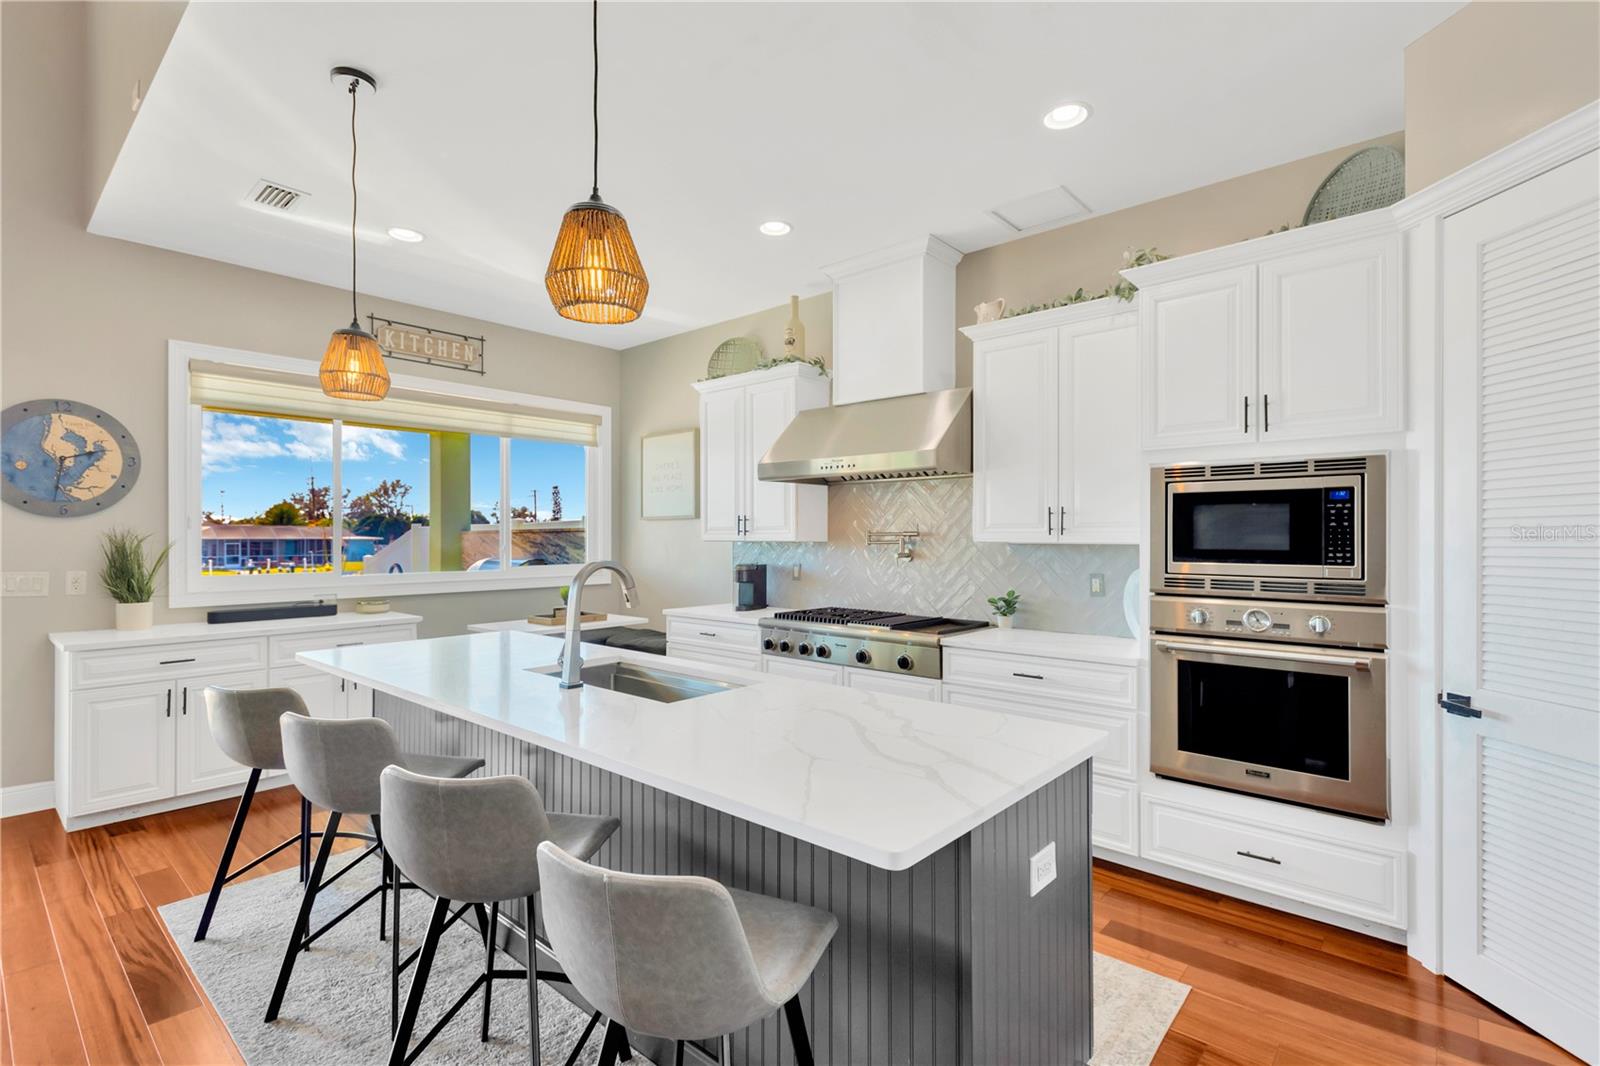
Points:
point(795, 573)
point(1042, 869)
point(26, 583)
point(77, 582)
point(1097, 584)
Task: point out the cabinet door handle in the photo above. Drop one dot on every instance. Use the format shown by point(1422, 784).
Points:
point(341, 684)
point(1030, 677)
point(350, 644)
point(1049, 521)
point(171, 662)
point(186, 699)
point(1247, 414)
point(169, 703)
point(1259, 858)
point(1266, 413)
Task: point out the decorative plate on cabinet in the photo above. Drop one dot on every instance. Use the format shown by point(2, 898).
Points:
point(736, 356)
point(62, 458)
point(1371, 178)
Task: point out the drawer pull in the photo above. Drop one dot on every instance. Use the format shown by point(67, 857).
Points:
point(703, 633)
point(350, 644)
point(1031, 677)
point(1259, 858)
point(172, 662)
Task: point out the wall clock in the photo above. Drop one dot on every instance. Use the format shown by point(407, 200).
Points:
point(62, 458)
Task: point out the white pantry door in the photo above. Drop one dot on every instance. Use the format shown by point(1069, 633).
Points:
point(1521, 596)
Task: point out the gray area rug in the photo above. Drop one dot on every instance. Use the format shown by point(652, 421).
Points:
point(337, 1008)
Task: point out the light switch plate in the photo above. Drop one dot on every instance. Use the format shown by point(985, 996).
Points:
point(1097, 584)
point(1042, 869)
point(77, 582)
point(26, 583)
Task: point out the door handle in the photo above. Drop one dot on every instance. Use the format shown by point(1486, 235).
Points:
point(1050, 521)
point(1247, 414)
point(169, 703)
point(1266, 413)
point(1459, 705)
point(1245, 652)
point(186, 699)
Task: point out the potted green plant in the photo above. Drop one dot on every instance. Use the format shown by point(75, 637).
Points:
point(130, 577)
point(1004, 607)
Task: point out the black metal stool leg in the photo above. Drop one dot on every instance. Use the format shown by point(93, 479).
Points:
point(797, 1032)
point(384, 879)
point(577, 1049)
point(677, 1053)
point(419, 982)
point(302, 922)
point(610, 1045)
point(533, 993)
point(394, 959)
point(227, 854)
point(488, 971)
point(305, 839)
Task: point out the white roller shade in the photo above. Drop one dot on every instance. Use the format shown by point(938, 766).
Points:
point(250, 390)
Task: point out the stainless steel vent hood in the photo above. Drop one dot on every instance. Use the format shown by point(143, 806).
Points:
point(925, 435)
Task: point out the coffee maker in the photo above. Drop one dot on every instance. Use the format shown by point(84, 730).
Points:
point(749, 586)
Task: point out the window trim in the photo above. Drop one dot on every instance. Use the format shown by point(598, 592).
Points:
point(187, 587)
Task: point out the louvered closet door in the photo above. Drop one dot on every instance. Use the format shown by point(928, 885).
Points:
point(1521, 630)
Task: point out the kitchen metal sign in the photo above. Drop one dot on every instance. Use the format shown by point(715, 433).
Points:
point(421, 344)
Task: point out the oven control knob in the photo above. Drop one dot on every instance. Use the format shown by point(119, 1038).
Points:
point(1199, 616)
point(823, 651)
point(1319, 624)
point(804, 648)
point(904, 662)
point(863, 657)
point(768, 644)
point(783, 645)
point(1257, 621)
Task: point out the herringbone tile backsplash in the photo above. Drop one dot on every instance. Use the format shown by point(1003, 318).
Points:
point(951, 574)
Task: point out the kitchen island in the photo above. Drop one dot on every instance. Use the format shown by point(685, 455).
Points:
point(913, 822)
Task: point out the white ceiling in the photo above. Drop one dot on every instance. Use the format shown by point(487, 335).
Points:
point(864, 125)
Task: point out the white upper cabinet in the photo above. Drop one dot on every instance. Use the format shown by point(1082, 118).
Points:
point(1293, 336)
point(1056, 454)
point(740, 418)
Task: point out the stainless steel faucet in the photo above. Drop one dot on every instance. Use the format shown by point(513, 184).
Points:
point(571, 658)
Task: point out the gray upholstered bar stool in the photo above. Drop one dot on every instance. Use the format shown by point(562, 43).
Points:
point(683, 958)
point(476, 842)
point(244, 724)
point(335, 763)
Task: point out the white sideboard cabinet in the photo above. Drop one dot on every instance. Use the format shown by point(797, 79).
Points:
point(131, 731)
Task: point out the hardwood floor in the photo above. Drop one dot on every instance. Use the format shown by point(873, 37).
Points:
point(89, 973)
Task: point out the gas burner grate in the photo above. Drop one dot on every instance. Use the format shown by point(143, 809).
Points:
point(837, 616)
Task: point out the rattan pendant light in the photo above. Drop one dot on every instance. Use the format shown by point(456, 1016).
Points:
point(352, 367)
point(594, 273)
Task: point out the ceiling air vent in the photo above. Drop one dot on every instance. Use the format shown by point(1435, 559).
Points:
point(270, 196)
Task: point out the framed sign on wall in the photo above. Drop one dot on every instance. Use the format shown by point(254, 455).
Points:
point(669, 475)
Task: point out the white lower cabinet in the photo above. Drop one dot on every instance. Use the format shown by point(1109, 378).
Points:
point(131, 728)
point(916, 688)
point(1116, 815)
point(822, 673)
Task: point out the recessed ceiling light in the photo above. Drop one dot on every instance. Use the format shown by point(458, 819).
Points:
point(1066, 116)
point(400, 233)
point(776, 227)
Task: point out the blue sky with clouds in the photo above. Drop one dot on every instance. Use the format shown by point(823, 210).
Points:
point(259, 461)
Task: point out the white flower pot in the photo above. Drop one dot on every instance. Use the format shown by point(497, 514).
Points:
point(135, 615)
point(1004, 621)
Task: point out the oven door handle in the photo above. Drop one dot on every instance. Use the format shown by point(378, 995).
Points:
point(1287, 656)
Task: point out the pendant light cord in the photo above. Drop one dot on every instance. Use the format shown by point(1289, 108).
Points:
point(355, 318)
point(595, 37)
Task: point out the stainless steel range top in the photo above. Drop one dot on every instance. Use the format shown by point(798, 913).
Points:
point(862, 639)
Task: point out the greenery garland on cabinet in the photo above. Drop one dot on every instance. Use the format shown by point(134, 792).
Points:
point(1122, 290)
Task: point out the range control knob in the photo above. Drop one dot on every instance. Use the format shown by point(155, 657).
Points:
point(1199, 616)
point(1319, 624)
point(804, 648)
point(863, 657)
point(823, 651)
point(768, 644)
point(1257, 621)
point(904, 662)
point(783, 645)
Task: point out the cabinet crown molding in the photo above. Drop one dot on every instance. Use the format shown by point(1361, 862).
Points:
point(781, 372)
point(1259, 249)
point(1088, 311)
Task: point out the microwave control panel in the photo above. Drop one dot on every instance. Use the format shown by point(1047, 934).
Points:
point(1339, 526)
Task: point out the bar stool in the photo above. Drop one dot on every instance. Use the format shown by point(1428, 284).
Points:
point(679, 957)
point(476, 842)
point(335, 763)
point(244, 724)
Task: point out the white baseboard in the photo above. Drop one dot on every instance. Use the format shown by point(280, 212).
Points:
point(25, 799)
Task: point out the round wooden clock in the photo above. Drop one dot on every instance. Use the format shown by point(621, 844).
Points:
point(62, 458)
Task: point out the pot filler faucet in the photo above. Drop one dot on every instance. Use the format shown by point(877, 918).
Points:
point(571, 658)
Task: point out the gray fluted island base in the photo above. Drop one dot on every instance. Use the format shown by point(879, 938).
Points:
point(949, 961)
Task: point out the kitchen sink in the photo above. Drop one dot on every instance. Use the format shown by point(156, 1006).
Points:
point(663, 686)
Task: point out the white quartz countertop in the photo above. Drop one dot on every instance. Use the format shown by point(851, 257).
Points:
point(723, 612)
point(1046, 645)
point(522, 625)
point(884, 779)
point(92, 639)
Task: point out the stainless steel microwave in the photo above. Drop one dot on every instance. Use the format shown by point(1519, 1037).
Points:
point(1280, 529)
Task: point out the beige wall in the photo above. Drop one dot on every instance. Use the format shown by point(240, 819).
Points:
point(89, 318)
point(674, 567)
point(1050, 265)
point(126, 41)
point(1492, 73)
